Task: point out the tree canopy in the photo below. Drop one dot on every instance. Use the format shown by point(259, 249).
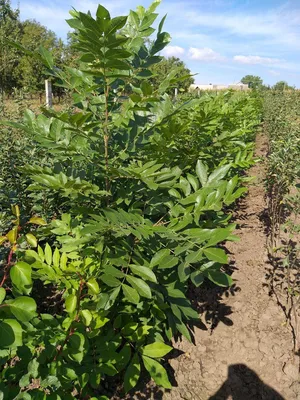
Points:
point(10, 28)
point(252, 81)
point(282, 85)
point(165, 66)
point(17, 69)
point(29, 71)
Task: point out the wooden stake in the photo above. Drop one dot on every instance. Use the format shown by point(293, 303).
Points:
point(48, 88)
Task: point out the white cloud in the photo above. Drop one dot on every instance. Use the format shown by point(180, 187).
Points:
point(256, 60)
point(277, 25)
point(173, 51)
point(204, 54)
point(274, 73)
point(236, 23)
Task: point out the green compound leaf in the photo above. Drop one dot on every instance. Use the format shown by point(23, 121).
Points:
point(23, 308)
point(157, 372)
point(132, 373)
point(141, 286)
point(219, 278)
point(217, 255)
point(156, 350)
point(130, 294)
point(10, 333)
point(2, 295)
point(70, 303)
point(20, 275)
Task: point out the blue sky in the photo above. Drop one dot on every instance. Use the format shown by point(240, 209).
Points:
point(221, 40)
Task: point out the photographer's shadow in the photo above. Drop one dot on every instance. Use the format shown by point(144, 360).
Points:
point(244, 384)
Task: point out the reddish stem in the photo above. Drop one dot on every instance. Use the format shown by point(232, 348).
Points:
point(6, 269)
point(71, 332)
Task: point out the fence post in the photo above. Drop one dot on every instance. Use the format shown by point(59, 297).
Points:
point(48, 88)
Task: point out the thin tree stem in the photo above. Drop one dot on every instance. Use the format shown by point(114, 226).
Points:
point(106, 138)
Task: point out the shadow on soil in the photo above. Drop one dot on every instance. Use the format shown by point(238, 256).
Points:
point(208, 300)
point(144, 391)
point(283, 283)
point(244, 384)
point(283, 274)
point(149, 392)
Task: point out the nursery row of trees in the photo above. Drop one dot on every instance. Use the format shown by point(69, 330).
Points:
point(111, 209)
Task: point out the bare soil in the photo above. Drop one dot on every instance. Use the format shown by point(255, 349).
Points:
point(244, 348)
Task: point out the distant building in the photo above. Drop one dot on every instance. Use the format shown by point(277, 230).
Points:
point(210, 86)
point(201, 87)
point(239, 86)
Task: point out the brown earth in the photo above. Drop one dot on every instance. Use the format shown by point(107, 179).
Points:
point(245, 348)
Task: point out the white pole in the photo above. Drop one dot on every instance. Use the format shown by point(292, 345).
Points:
point(48, 88)
point(176, 92)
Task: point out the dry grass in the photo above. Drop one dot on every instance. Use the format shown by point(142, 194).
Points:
point(16, 107)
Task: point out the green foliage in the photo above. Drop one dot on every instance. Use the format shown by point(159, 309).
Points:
point(29, 71)
point(10, 28)
point(282, 85)
point(255, 82)
point(177, 68)
point(132, 218)
point(215, 128)
point(281, 113)
point(18, 69)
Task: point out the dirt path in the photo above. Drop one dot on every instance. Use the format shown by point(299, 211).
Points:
point(246, 351)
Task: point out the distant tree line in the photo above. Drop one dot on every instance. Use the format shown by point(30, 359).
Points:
point(255, 82)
